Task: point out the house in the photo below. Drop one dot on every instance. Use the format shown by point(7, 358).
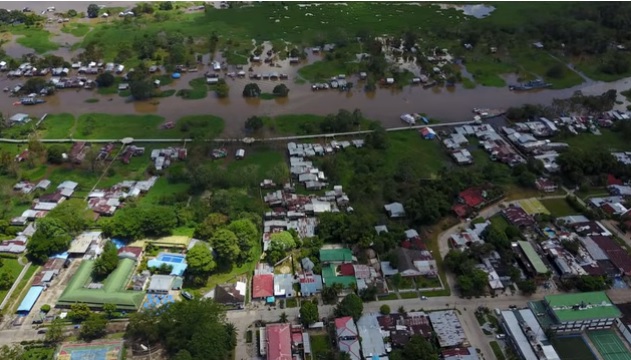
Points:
point(414, 263)
point(546, 185)
point(472, 197)
point(336, 256)
point(19, 119)
point(80, 245)
point(619, 190)
point(517, 216)
point(283, 285)
point(231, 295)
point(278, 342)
point(347, 337)
point(463, 353)
point(395, 210)
point(427, 133)
point(160, 284)
point(370, 334)
point(130, 252)
point(448, 328)
point(263, 286)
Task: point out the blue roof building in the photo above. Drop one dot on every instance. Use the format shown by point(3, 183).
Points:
point(30, 299)
point(310, 285)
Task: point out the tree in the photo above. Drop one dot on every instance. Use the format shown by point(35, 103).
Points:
point(198, 327)
point(167, 5)
point(283, 318)
point(351, 305)
point(6, 280)
point(384, 309)
point(79, 312)
point(248, 236)
point(226, 245)
point(183, 355)
point(253, 123)
point(200, 260)
point(55, 154)
point(34, 85)
point(417, 348)
point(55, 333)
point(222, 90)
point(212, 222)
point(280, 244)
point(107, 262)
point(50, 238)
point(93, 327)
point(105, 79)
point(251, 90)
point(141, 90)
point(309, 313)
point(281, 90)
point(11, 352)
point(527, 287)
point(329, 295)
point(110, 310)
point(93, 11)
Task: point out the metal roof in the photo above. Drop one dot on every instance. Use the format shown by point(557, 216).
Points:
point(30, 299)
point(533, 257)
point(370, 335)
point(596, 306)
point(517, 335)
point(447, 327)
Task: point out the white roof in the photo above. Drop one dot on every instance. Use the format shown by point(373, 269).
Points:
point(82, 242)
point(68, 185)
point(160, 283)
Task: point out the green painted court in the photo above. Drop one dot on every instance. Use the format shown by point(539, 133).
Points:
point(533, 206)
point(609, 345)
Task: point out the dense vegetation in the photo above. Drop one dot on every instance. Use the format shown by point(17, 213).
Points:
point(194, 330)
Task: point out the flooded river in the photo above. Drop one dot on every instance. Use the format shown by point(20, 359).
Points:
point(385, 104)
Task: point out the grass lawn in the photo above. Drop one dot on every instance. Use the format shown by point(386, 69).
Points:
point(409, 295)
point(76, 29)
point(34, 38)
point(162, 188)
point(610, 140)
point(558, 207)
point(261, 160)
point(58, 126)
point(13, 267)
point(499, 222)
point(320, 345)
point(590, 66)
point(537, 63)
point(497, 350)
point(486, 71)
point(299, 124)
point(391, 296)
point(199, 90)
point(321, 71)
point(426, 157)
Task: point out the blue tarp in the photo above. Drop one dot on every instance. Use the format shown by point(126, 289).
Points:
point(30, 299)
point(61, 256)
point(176, 75)
point(118, 243)
point(154, 300)
point(271, 300)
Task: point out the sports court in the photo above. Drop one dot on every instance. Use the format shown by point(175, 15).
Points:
point(573, 347)
point(169, 258)
point(609, 345)
point(533, 206)
point(105, 350)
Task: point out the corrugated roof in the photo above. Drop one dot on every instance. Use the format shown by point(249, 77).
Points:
point(533, 257)
point(336, 255)
point(597, 306)
point(30, 299)
point(517, 335)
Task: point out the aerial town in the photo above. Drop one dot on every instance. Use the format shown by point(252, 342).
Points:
point(315, 181)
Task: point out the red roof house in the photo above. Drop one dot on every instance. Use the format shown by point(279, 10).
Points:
point(278, 340)
point(263, 286)
point(130, 252)
point(460, 210)
point(613, 180)
point(618, 256)
point(472, 197)
point(347, 270)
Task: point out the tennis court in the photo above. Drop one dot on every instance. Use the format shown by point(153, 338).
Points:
point(609, 345)
point(533, 206)
point(107, 350)
point(171, 259)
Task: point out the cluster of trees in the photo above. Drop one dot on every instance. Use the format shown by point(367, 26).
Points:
point(579, 165)
point(417, 348)
point(351, 305)
point(136, 221)
point(106, 262)
point(280, 245)
point(309, 312)
point(343, 121)
point(193, 330)
point(585, 283)
point(55, 232)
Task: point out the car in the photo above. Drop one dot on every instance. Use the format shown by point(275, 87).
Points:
point(500, 336)
point(423, 297)
point(42, 331)
point(512, 307)
point(187, 295)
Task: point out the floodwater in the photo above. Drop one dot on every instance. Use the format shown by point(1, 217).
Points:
point(478, 11)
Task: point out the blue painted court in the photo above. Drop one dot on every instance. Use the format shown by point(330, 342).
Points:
point(171, 258)
point(155, 300)
point(106, 350)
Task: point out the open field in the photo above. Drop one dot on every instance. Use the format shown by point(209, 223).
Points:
point(320, 345)
point(34, 38)
point(613, 141)
point(11, 266)
point(76, 29)
point(533, 206)
point(558, 207)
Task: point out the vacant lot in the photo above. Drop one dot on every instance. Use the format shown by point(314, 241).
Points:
point(558, 207)
point(11, 266)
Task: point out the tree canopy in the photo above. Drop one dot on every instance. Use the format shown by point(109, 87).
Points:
point(136, 222)
point(351, 305)
point(309, 313)
point(200, 260)
point(251, 90)
point(198, 327)
point(106, 262)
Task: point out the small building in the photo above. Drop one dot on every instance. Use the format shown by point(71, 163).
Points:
point(336, 256)
point(160, 284)
point(546, 185)
point(448, 328)
point(533, 262)
point(230, 295)
point(395, 210)
point(19, 118)
point(427, 133)
point(80, 245)
point(278, 342)
point(517, 216)
point(240, 154)
point(573, 313)
point(29, 300)
point(263, 286)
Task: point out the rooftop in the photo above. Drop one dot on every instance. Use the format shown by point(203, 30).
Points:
point(582, 306)
point(533, 257)
point(278, 342)
point(336, 255)
point(447, 327)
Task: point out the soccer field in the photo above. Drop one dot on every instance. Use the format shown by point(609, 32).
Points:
point(609, 345)
point(533, 206)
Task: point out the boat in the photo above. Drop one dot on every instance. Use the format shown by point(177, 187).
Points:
point(488, 113)
point(31, 101)
point(530, 85)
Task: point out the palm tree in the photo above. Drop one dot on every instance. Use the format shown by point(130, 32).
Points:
point(283, 317)
point(231, 331)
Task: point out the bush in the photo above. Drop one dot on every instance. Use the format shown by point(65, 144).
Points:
point(384, 309)
point(45, 308)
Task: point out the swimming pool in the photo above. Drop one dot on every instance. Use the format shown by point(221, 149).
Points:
point(171, 258)
point(118, 243)
point(551, 233)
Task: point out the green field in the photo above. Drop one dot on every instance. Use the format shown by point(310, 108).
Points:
point(58, 126)
point(320, 345)
point(558, 207)
point(533, 206)
point(34, 38)
point(613, 141)
point(76, 29)
point(13, 267)
point(609, 345)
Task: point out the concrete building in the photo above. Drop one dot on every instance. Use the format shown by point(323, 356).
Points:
point(448, 328)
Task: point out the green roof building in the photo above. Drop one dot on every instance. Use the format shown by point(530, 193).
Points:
point(533, 258)
point(576, 312)
point(336, 256)
point(329, 277)
point(113, 290)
